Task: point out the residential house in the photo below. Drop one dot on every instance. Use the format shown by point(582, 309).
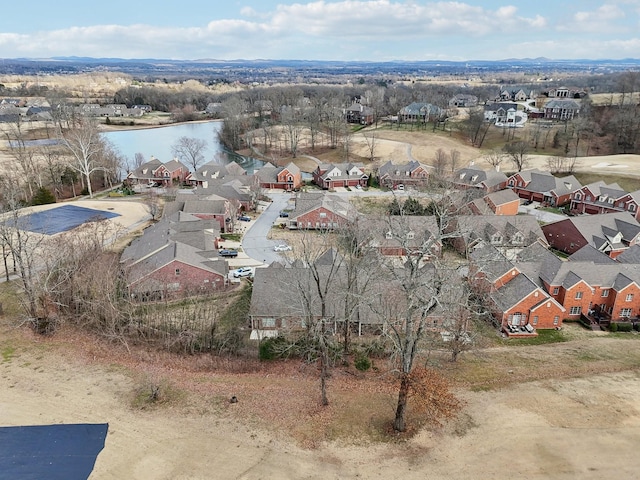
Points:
point(601, 291)
point(173, 258)
point(610, 233)
point(463, 100)
point(287, 178)
point(504, 114)
point(502, 202)
point(474, 177)
point(330, 175)
point(419, 112)
point(411, 173)
point(320, 210)
point(598, 197)
point(154, 172)
point(537, 186)
point(561, 110)
point(565, 92)
point(518, 303)
point(509, 234)
point(285, 299)
point(360, 114)
point(213, 171)
point(205, 207)
point(400, 236)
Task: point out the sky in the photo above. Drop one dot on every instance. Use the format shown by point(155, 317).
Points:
point(350, 30)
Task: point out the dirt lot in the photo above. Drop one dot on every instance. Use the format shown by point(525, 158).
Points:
point(574, 421)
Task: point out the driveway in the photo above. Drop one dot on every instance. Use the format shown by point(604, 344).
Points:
point(541, 215)
point(254, 242)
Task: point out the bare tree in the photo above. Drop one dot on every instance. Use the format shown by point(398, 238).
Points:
point(476, 127)
point(518, 153)
point(85, 145)
point(440, 163)
point(412, 295)
point(370, 139)
point(454, 159)
point(494, 157)
point(189, 150)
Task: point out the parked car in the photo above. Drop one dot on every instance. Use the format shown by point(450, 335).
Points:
point(243, 272)
point(228, 253)
point(284, 214)
point(282, 248)
point(358, 187)
point(400, 187)
point(244, 218)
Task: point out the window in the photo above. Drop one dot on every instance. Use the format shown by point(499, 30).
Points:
point(632, 207)
point(556, 290)
point(625, 312)
point(578, 295)
point(518, 239)
point(410, 235)
point(268, 322)
point(323, 214)
point(556, 320)
point(629, 297)
point(177, 271)
point(535, 320)
point(388, 235)
point(605, 293)
point(578, 196)
point(517, 318)
point(496, 239)
point(575, 310)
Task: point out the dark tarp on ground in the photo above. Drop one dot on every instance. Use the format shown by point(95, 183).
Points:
point(51, 452)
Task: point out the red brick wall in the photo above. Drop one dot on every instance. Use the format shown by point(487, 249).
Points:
point(545, 314)
point(191, 280)
point(314, 217)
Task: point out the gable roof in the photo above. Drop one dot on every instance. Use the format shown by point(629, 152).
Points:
point(545, 182)
point(474, 176)
point(309, 201)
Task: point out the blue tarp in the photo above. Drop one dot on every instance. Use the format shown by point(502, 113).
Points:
point(51, 452)
point(61, 219)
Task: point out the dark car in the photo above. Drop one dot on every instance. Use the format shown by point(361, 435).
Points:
point(284, 214)
point(244, 218)
point(228, 253)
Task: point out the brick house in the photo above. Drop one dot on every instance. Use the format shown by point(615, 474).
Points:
point(474, 177)
point(462, 100)
point(610, 233)
point(287, 178)
point(598, 197)
point(519, 305)
point(331, 175)
point(605, 292)
point(399, 236)
point(320, 210)
point(537, 186)
point(509, 234)
point(209, 207)
point(411, 173)
point(213, 171)
point(360, 114)
point(561, 110)
point(156, 172)
point(173, 258)
point(502, 202)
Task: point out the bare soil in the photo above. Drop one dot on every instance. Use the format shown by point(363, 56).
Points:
point(562, 411)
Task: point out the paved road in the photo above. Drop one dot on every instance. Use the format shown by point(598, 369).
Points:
point(255, 242)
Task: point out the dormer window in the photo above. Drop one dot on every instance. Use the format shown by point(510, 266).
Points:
point(611, 201)
point(474, 178)
point(411, 235)
point(602, 198)
point(462, 176)
point(496, 239)
point(388, 235)
point(518, 239)
point(578, 196)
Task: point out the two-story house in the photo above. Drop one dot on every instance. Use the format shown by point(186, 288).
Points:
point(411, 173)
point(598, 197)
point(330, 175)
point(537, 186)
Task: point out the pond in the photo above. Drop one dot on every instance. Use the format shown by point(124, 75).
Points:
point(158, 142)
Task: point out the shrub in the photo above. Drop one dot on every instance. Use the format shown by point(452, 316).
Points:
point(624, 326)
point(43, 196)
point(636, 327)
point(271, 348)
point(613, 326)
point(362, 363)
